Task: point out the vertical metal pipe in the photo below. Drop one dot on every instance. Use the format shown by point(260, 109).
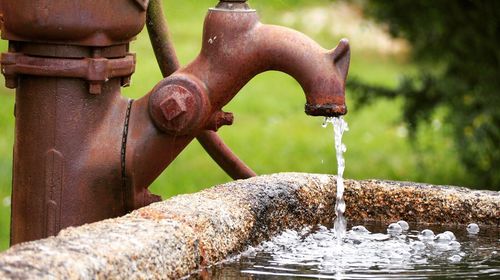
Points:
point(67, 61)
point(66, 156)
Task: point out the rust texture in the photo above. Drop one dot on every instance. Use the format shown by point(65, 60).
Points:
point(173, 238)
point(95, 70)
point(73, 22)
point(82, 151)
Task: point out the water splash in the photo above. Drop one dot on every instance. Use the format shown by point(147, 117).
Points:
point(339, 127)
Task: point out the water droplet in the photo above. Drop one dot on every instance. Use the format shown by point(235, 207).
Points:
point(404, 225)
point(426, 235)
point(326, 121)
point(473, 228)
point(343, 148)
point(394, 228)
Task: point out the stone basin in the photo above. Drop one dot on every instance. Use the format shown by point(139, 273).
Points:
point(173, 238)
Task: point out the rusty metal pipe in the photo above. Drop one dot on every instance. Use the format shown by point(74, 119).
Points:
point(67, 61)
point(66, 153)
point(223, 156)
point(159, 35)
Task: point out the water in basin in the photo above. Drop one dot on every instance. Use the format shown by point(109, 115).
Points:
point(370, 251)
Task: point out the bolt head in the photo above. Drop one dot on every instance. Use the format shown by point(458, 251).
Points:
point(173, 107)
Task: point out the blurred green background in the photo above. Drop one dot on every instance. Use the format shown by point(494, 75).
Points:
point(271, 133)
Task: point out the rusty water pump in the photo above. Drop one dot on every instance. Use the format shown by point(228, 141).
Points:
point(83, 152)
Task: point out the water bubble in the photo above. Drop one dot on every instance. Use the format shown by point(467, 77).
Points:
point(455, 258)
point(426, 235)
point(418, 246)
point(455, 244)
point(404, 225)
point(473, 228)
point(322, 228)
point(394, 228)
point(360, 229)
point(442, 238)
point(305, 230)
point(249, 252)
point(451, 234)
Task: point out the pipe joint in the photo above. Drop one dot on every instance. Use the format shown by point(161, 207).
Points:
point(179, 105)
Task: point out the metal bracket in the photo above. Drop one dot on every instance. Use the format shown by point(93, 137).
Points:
point(94, 70)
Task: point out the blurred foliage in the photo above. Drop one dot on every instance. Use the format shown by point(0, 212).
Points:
point(455, 45)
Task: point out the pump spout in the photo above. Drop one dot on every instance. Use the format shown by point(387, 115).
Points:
point(320, 72)
point(236, 47)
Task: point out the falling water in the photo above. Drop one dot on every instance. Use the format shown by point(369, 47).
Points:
point(339, 127)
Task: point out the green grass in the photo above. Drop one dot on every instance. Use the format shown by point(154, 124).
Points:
point(271, 133)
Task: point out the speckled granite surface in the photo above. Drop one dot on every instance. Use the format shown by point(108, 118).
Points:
point(172, 238)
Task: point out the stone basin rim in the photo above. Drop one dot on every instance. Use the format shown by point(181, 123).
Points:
point(173, 238)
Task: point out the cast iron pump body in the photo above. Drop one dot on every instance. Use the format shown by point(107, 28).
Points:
point(82, 151)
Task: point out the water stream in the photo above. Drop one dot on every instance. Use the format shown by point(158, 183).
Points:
point(339, 127)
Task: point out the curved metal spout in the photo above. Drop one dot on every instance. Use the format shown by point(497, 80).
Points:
point(236, 47)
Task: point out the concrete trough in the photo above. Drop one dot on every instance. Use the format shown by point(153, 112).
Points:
point(176, 237)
